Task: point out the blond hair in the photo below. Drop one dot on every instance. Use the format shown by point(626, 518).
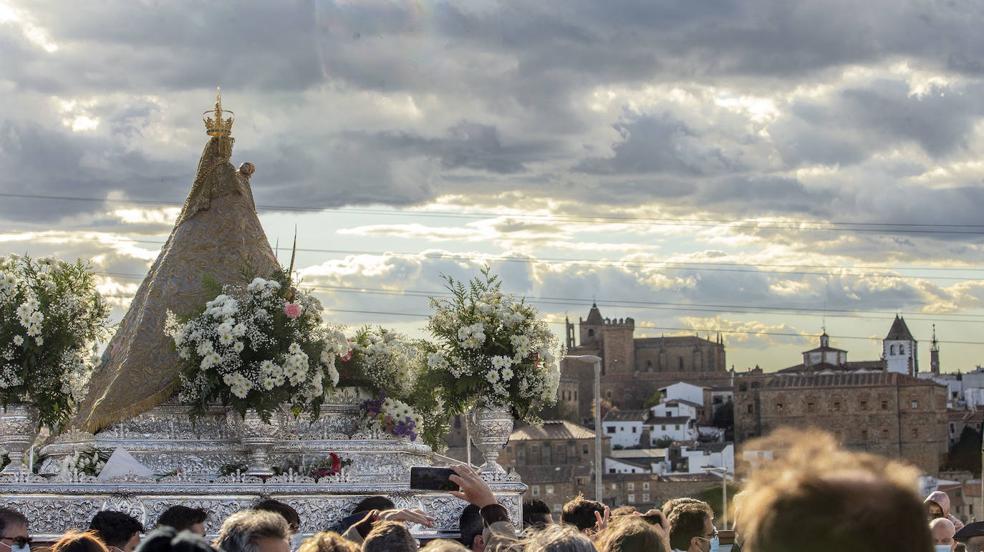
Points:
point(816, 496)
point(329, 541)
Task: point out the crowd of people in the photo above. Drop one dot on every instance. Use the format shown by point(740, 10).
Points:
point(811, 497)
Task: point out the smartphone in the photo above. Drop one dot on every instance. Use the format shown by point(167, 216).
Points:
point(426, 478)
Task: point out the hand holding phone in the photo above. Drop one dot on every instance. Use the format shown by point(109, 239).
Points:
point(425, 478)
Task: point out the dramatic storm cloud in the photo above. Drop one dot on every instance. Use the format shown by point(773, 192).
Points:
point(689, 164)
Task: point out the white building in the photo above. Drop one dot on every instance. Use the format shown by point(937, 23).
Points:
point(638, 461)
point(677, 408)
point(717, 455)
point(900, 349)
point(624, 427)
point(677, 428)
point(683, 391)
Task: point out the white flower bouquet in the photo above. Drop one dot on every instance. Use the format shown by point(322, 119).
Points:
point(259, 347)
point(383, 362)
point(51, 317)
point(489, 347)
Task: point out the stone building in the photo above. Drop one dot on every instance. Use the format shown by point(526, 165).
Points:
point(886, 413)
point(634, 368)
point(555, 460)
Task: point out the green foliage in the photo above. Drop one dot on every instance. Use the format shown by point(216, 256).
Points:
point(724, 416)
point(966, 453)
point(51, 317)
point(664, 442)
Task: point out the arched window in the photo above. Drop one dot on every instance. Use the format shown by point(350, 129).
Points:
point(891, 349)
point(590, 333)
point(680, 364)
point(901, 349)
point(649, 366)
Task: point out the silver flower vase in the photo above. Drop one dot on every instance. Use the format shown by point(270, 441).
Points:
point(258, 437)
point(493, 425)
point(18, 429)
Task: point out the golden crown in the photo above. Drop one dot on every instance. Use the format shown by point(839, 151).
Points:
point(215, 124)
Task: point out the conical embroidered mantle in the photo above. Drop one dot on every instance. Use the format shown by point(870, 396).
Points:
point(217, 235)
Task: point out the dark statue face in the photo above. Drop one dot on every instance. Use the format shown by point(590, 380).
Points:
point(247, 169)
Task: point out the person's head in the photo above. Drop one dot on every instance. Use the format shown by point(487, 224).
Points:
point(158, 540)
point(75, 541)
point(942, 531)
point(183, 518)
point(937, 505)
point(580, 512)
point(14, 535)
point(972, 535)
point(692, 527)
point(536, 513)
point(327, 542)
point(559, 538)
point(116, 529)
point(186, 541)
point(470, 526)
point(389, 536)
point(373, 503)
point(284, 510)
point(254, 531)
point(630, 533)
point(672, 503)
point(624, 511)
point(441, 545)
point(817, 497)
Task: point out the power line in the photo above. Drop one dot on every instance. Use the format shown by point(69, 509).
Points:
point(666, 265)
point(797, 225)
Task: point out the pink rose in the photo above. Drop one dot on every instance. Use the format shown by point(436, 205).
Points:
point(347, 356)
point(292, 310)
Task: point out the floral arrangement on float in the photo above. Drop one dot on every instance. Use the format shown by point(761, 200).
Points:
point(51, 317)
point(258, 348)
point(493, 356)
point(386, 364)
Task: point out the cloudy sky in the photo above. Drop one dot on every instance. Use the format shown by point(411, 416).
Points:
point(741, 166)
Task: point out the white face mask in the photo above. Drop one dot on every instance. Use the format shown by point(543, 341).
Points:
point(18, 547)
point(942, 548)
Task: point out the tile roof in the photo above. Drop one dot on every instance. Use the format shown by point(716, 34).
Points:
point(651, 453)
point(667, 420)
point(846, 379)
point(626, 415)
point(552, 429)
point(899, 331)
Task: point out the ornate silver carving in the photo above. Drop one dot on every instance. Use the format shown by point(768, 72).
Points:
point(258, 437)
point(493, 425)
point(18, 429)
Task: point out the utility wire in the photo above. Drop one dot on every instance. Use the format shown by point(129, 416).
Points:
point(799, 225)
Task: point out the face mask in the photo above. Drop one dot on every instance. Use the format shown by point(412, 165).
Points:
point(942, 548)
point(715, 545)
point(26, 547)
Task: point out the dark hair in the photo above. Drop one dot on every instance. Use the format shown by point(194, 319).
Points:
point(186, 541)
point(373, 503)
point(11, 517)
point(389, 536)
point(74, 541)
point(158, 540)
point(470, 524)
point(535, 513)
point(115, 528)
point(580, 512)
point(688, 521)
point(285, 510)
point(181, 517)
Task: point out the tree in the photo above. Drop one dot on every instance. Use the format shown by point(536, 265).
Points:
point(966, 454)
point(724, 416)
point(654, 399)
point(664, 442)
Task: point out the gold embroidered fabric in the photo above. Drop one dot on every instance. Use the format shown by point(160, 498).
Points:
point(217, 234)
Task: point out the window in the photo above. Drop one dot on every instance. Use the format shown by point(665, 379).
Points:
point(751, 408)
point(677, 427)
point(901, 349)
point(864, 405)
point(584, 450)
point(645, 485)
point(630, 499)
point(742, 387)
point(914, 404)
point(915, 433)
point(633, 429)
point(664, 427)
point(837, 406)
point(645, 497)
point(622, 429)
point(884, 434)
point(610, 429)
point(535, 490)
point(611, 470)
point(884, 405)
point(549, 489)
point(811, 406)
point(630, 486)
point(590, 333)
point(864, 434)
point(779, 407)
point(891, 350)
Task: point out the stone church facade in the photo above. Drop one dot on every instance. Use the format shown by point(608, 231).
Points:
point(634, 368)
